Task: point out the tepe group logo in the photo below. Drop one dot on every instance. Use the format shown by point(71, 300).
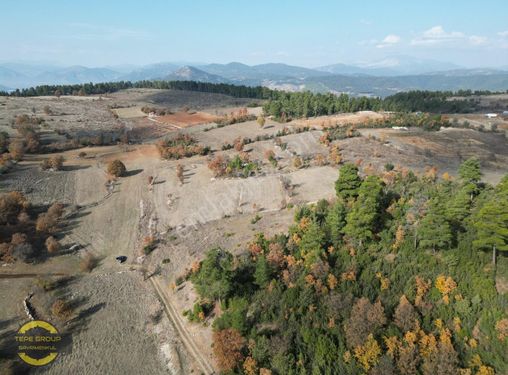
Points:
point(38, 343)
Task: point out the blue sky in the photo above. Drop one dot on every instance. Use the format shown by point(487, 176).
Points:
point(298, 32)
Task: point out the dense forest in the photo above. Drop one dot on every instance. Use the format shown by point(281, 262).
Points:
point(397, 275)
point(285, 105)
point(110, 87)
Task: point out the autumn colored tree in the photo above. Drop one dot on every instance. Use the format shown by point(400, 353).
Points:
point(227, 347)
point(405, 316)
point(116, 168)
point(52, 245)
point(366, 318)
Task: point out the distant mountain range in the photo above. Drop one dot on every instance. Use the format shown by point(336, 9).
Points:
point(385, 77)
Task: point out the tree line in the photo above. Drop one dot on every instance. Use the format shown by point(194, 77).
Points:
point(280, 104)
point(236, 91)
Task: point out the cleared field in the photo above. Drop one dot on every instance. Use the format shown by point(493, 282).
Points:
point(129, 112)
point(340, 119)
point(186, 119)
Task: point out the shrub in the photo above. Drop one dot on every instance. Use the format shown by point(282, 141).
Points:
point(261, 121)
point(55, 163)
point(116, 168)
point(52, 245)
point(297, 162)
point(88, 263)
point(179, 173)
point(11, 205)
point(150, 243)
point(61, 309)
point(17, 149)
point(389, 167)
point(238, 144)
point(183, 145)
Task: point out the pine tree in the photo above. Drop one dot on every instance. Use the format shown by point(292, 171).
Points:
point(469, 171)
point(214, 279)
point(263, 273)
point(362, 219)
point(435, 232)
point(491, 221)
point(335, 222)
point(348, 182)
point(311, 244)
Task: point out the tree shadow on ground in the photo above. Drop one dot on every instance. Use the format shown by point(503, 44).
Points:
point(70, 168)
point(133, 172)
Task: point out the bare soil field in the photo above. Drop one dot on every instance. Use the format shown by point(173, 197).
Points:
point(186, 119)
point(480, 121)
point(417, 149)
point(124, 318)
point(340, 119)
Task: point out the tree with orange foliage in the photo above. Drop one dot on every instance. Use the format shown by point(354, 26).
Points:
point(366, 317)
point(405, 315)
point(227, 347)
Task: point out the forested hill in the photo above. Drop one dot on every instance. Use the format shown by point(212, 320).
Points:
point(282, 105)
point(110, 87)
point(395, 276)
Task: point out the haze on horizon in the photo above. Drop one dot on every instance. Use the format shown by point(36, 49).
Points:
point(306, 33)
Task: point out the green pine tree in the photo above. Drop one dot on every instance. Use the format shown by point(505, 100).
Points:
point(469, 171)
point(348, 182)
point(364, 215)
point(335, 222)
point(491, 221)
point(434, 231)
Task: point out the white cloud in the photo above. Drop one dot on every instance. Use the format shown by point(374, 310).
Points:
point(437, 35)
point(476, 40)
point(503, 34)
point(389, 41)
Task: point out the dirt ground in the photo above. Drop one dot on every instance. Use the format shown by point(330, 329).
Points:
point(124, 324)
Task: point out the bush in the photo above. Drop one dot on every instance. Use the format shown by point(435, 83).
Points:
point(389, 167)
point(116, 168)
point(261, 121)
point(61, 309)
point(181, 146)
point(55, 163)
point(52, 245)
point(150, 243)
point(88, 263)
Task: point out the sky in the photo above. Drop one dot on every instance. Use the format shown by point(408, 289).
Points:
point(298, 32)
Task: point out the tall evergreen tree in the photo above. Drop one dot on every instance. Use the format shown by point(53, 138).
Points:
point(435, 231)
point(362, 219)
point(335, 222)
point(469, 171)
point(348, 182)
point(491, 221)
